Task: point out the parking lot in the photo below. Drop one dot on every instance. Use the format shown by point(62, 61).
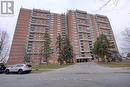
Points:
point(78, 75)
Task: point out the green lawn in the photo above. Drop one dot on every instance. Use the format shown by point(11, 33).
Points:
point(45, 67)
point(115, 64)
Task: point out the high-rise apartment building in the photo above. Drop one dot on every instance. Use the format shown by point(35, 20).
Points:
point(101, 25)
point(81, 27)
point(80, 34)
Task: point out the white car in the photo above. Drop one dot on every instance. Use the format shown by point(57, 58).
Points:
point(19, 68)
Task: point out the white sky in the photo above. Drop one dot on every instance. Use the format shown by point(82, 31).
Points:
point(118, 13)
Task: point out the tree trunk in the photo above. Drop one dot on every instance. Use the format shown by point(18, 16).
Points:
point(46, 60)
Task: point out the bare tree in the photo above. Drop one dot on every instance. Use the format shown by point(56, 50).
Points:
point(126, 40)
point(4, 46)
point(115, 2)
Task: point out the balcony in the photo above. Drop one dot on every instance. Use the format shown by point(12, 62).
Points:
point(81, 15)
point(102, 21)
point(36, 40)
point(112, 41)
point(40, 24)
point(37, 32)
point(83, 24)
point(84, 39)
point(32, 53)
point(40, 17)
point(104, 27)
point(84, 31)
point(85, 50)
point(86, 57)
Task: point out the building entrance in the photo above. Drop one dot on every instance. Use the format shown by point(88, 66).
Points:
point(81, 60)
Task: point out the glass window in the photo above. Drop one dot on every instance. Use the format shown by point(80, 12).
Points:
point(80, 36)
point(33, 20)
point(81, 43)
point(82, 54)
point(34, 13)
point(81, 40)
point(82, 49)
point(32, 28)
point(82, 46)
point(46, 29)
point(47, 15)
point(19, 65)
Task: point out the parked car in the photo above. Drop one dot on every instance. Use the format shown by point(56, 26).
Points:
point(2, 67)
point(19, 68)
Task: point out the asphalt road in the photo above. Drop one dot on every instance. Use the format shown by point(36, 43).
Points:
point(78, 75)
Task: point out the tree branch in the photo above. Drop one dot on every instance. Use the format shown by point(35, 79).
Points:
point(104, 5)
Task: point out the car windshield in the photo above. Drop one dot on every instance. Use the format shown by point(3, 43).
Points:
point(12, 66)
point(19, 65)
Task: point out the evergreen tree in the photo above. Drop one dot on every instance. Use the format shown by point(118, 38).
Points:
point(46, 47)
point(67, 50)
point(101, 47)
point(59, 47)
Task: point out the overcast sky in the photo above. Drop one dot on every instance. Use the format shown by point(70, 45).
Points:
point(118, 12)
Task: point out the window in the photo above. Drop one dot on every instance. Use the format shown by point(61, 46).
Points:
point(19, 65)
point(34, 13)
point(30, 44)
point(82, 54)
point(90, 47)
point(85, 16)
point(32, 28)
point(81, 40)
point(78, 20)
point(46, 29)
point(47, 15)
point(46, 22)
point(80, 27)
point(85, 21)
point(82, 49)
point(82, 46)
point(80, 36)
point(81, 43)
point(30, 35)
point(29, 47)
point(33, 20)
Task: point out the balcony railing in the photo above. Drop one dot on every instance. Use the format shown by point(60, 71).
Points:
point(102, 21)
point(103, 27)
point(35, 40)
point(37, 31)
point(40, 17)
point(83, 38)
point(40, 24)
